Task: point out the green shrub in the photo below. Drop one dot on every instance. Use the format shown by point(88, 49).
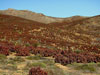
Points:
point(55, 70)
point(36, 57)
point(18, 59)
point(86, 67)
point(11, 62)
point(27, 44)
point(37, 64)
point(2, 57)
point(49, 62)
point(78, 51)
point(9, 67)
point(98, 64)
point(36, 44)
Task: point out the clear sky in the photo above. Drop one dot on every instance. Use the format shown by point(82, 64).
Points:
point(55, 8)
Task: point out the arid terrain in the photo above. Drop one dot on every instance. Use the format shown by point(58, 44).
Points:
point(59, 46)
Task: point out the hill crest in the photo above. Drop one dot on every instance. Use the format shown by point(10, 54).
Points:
point(39, 17)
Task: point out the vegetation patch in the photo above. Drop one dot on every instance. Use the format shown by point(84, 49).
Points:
point(98, 64)
point(36, 57)
point(9, 67)
point(2, 57)
point(78, 51)
point(37, 64)
point(49, 62)
point(86, 68)
point(18, 59)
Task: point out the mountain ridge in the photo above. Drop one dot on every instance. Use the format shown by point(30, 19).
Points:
point(39, 17)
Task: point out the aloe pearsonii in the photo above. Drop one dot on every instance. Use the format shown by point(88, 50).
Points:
point(37, 71)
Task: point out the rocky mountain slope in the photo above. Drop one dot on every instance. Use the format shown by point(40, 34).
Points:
point(74, 44)
point(57, 35)
point(37, 16)
point(70, 46)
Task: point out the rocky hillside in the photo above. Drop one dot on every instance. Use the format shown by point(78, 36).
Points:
point(37, 16)
point(69, 47)
point(56, 35)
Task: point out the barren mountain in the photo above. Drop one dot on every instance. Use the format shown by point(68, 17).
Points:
point(37, 16)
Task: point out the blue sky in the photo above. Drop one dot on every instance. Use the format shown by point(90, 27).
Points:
point(55, 8)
